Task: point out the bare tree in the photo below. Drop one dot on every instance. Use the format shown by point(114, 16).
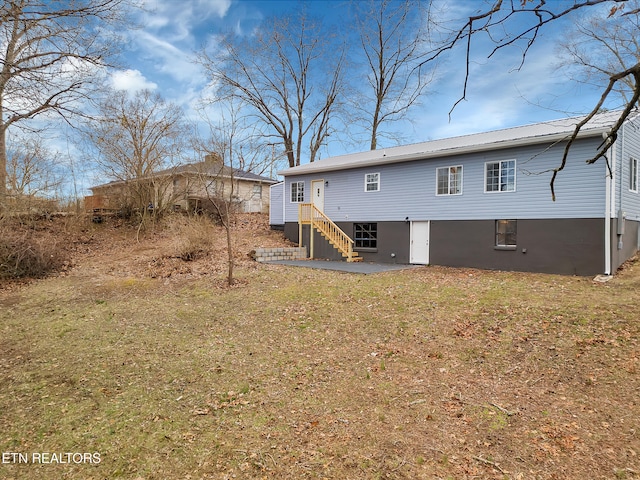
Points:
point(136, 137)
point(218, 183)
point(50, 54)
point(290, 74)
point(30, 168)
point(600, 45)
point(393, 41)
point(232, 144)
point(519, 24)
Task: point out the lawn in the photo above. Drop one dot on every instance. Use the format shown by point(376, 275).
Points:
point(294, 373)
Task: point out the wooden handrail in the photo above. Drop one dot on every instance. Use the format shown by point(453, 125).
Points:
point(309, 214)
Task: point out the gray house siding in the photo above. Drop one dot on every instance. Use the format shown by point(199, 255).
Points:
point(409, 189)
point(276, 208)
point(627, 147)
point(627, 202)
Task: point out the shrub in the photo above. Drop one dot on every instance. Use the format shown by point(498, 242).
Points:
point(24, 254)
point(192, 237)
point(218, 209)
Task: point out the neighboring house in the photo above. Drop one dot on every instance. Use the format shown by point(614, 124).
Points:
point(479, 200)
point(187, 187)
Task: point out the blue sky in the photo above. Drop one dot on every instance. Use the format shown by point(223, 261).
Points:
point(159, 56)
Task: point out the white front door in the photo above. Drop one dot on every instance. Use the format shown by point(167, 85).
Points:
point(419, 252)
point(317, 194)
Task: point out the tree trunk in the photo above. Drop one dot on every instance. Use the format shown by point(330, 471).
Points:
point(3, 165)
point(376, 120)
point(229, 249)
point(374, 136)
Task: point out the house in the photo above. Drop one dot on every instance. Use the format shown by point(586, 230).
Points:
point(186, 187)
point(480, 201)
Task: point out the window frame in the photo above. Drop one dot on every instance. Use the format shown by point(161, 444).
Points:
point(449, 180)
point(500, 174)
point(501, 238)
point(367, 182)
point(358, 231)
point(299, 195)
point(633, 174)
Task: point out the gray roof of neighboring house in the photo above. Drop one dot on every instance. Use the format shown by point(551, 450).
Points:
point(552, 131)
point(215, 169)
point(204, 168)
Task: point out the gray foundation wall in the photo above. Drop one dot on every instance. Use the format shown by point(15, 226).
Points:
point(562, 246)
point(393, 242)
point(625, 245)
point(565, 246)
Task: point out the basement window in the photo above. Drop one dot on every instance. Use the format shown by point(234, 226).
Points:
point(365, 236)
point(506, 232)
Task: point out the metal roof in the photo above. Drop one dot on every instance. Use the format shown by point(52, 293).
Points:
point(544, 132)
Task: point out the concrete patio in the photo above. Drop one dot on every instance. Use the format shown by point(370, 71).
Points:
point(348, 267)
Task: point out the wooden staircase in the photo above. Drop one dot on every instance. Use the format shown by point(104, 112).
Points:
point(309, 214)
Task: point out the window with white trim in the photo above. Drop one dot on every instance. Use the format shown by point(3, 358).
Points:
point(297, 192)
point(500, 176)
point(449, 180)
point(633, 174)
point(506, 233)
point(371, 182)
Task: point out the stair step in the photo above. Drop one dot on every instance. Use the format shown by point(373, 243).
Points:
point(322, 227)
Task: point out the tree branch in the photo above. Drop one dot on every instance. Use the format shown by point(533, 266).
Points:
point(613, 133)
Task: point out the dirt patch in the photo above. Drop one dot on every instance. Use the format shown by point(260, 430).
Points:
point(154, 254)
point(115, 248)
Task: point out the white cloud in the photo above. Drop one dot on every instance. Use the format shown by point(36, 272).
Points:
point(219, 7)
point(131, 81)
point(167, 58)
point(176, 20)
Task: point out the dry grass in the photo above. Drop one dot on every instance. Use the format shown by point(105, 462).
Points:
point(424, 373)
point(191, 237)
point(28, 253)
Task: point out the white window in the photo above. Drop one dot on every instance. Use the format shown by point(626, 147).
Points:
point(449, 180)
point(500, 176)
point(633, 174)
point(372, 182)
point(297, 192)
point(257, 191)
